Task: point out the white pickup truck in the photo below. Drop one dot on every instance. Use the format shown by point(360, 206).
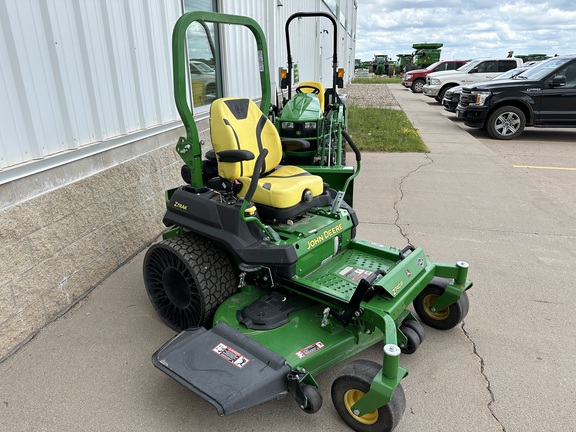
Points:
point(474, 71)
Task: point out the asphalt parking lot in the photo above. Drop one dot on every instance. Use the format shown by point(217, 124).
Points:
point(510, 366)
point(547, 155)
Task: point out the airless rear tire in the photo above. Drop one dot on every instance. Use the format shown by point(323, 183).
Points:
point(187, 278)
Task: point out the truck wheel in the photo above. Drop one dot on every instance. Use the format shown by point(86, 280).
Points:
point(441, 94)
point(417, 86)
point(353, 383)
point(186, 279)
point(506, 123)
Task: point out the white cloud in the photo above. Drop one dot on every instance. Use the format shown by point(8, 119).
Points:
point(473, 28)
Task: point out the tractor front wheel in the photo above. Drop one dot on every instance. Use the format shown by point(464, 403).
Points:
point(443, 319)
point(352, 384)
point(186, 279)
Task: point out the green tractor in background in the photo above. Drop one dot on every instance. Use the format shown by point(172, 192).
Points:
point(425, 54)
point(380, 64)
point(404, 63)
point(262, 276)
point(313, 121)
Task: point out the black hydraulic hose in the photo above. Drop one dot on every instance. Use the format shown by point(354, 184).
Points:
point(352, 144)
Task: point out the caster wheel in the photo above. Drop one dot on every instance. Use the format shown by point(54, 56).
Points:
point(413, 340)
point(443, 319)
point(313, 399)
point(353, 383)
point(416, 326)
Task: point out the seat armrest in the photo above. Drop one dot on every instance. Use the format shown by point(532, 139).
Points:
point(235, 155)
point(256, 175)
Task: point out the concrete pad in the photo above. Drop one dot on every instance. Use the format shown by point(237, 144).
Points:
point(508, 367)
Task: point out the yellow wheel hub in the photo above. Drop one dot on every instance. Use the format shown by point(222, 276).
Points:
point(350, 398)
point(438, 315)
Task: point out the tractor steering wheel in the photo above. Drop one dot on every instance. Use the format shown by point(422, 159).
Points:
point(315, 90)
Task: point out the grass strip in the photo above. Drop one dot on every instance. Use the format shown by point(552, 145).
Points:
point(383, 130)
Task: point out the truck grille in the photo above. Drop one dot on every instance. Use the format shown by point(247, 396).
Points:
point(466, 97)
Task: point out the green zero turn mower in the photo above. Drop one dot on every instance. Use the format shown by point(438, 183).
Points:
point(262, 276)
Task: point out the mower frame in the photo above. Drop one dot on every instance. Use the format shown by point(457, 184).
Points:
point(345, 294)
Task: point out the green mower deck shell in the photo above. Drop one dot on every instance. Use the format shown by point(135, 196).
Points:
point(317, 348)
point(319, 345)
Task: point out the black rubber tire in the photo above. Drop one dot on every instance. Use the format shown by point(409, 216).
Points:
point(417, 85)
point(314, 397)
point(506, 123)
point(186, 279)
point(417, 327)
point(358, 376)
point(444, 319)
point(441, 95)
point(413, 340)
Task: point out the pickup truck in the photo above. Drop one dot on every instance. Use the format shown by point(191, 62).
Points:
point(542, 96)
point(474, 71)
point(415, 79)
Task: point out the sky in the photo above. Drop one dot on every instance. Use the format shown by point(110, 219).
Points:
point(467, 28)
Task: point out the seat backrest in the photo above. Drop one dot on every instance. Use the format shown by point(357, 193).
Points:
point(316, 84)
point(238, 124)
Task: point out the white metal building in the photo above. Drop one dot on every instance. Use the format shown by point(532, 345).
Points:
point(88, 126)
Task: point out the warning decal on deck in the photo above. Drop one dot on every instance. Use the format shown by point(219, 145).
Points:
point(311, 349)
point(354, 274)
point(230, 355)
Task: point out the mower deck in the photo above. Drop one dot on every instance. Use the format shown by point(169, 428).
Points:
point(235, 368)
point(263, 335)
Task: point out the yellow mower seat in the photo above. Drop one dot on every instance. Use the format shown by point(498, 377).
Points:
point(316, 84)
point(238, 124)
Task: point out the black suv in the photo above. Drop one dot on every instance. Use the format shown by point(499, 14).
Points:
point(542, 96)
